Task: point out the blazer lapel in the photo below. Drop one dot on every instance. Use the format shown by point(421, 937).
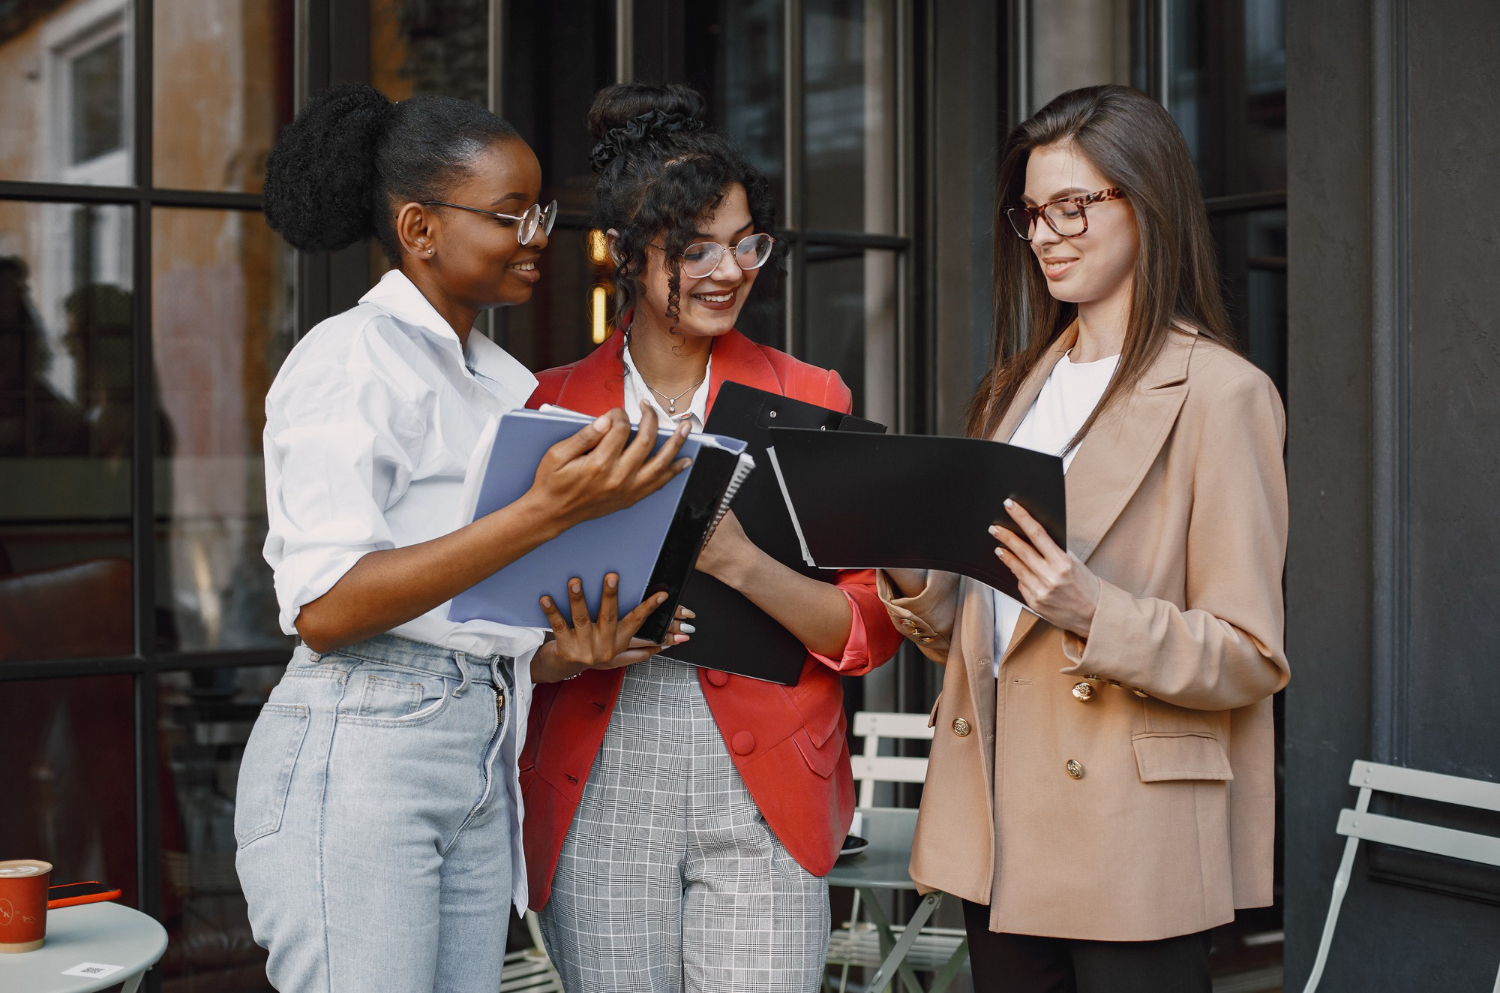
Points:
point(1121, 446)
point(737, 359)
point(597, 382)
point(1118, 450)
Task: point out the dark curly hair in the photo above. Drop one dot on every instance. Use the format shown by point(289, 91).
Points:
point(657, 170)
point(352, 157)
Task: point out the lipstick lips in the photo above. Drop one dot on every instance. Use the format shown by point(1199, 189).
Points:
point(717, 301)
point(1058, 268)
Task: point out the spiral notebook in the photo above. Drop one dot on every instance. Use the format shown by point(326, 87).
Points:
point(652, 544)
point(733, 634)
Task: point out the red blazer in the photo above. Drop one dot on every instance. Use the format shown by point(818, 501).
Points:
point(787, 742)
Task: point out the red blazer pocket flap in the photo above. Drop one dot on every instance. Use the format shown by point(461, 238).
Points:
point(1168, 755)
point(822, 759)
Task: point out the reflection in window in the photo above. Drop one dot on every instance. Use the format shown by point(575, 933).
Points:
point(206, 716)
point(734, 54)
point(68, 777)
point(221, 324)
point(421, 46)
point(1076, 43)
point(98, 100)
point(850, 116)
point(223, 89)
point(851, 322)
point(66, 415)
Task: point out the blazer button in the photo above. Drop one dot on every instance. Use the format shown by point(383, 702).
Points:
point(1083, 692)
point(1075, 768)
point(961, 727)
point(717, 678)
point(743, 743)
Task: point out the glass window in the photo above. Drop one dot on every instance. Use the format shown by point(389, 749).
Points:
point(1227, 90)
point(223, 90)
point(66, 423)
point(68, 778)
point(206, 717)
point(1252, 247)
point(1073, 43)
point(65, 72)
point(849, 116)
point(418, 46)
point(222, 321)
point(734, 58)
point(556, 57)
point(851, 322)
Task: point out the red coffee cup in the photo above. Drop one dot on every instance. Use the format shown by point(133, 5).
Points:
point(23, 904)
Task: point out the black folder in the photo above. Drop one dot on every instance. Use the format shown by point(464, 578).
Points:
point(731, 633)
point(913, 501)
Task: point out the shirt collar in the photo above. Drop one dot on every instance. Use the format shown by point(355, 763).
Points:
point(697, 410)
point(398, 296)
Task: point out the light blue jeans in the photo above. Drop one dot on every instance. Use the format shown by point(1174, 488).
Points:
point(373, 827)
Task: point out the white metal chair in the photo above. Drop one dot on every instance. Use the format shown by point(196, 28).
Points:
point(891, 949)
point(529, 970)
point(1361, 825)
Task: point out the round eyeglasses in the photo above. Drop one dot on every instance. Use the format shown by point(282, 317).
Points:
point(701, 258)
point(1064, 215)
point(532, 219)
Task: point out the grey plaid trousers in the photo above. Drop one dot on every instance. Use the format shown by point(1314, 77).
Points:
point(670, 879)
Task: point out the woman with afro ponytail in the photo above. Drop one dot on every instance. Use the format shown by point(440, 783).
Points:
point(377, 816)
point(711, 806)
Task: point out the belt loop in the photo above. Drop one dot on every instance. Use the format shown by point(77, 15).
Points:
point(459, 658)
point(495, 676)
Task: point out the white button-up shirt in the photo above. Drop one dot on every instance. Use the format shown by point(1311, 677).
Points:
point(370, 426)
point(636, 390)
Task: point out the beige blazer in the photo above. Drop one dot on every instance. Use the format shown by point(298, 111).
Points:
point(1121, 788)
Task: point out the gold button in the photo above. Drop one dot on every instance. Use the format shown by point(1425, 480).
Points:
point(1140, 693)
point(1075, 768)
point(961, 727)
point(1083, 692)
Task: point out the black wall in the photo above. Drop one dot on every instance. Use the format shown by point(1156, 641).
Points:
point(1393, 579)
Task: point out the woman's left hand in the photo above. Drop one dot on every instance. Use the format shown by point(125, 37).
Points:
point(729, 549)
point(1055, 583)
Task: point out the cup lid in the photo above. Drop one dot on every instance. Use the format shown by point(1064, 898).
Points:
point(19, 868)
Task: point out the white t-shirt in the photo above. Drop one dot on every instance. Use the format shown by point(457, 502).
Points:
point(1069, 396)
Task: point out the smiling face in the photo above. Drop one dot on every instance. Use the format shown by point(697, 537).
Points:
point(708, 306)
point(479, 260)
point(1097, 266)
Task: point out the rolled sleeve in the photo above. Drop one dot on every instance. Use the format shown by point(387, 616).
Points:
point(340, 448)
point(872, 638)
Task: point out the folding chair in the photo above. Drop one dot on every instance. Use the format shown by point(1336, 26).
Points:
point(529, 970)
point(1360, 825)
point(892, 949)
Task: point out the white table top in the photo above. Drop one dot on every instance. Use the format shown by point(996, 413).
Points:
point(104, 933)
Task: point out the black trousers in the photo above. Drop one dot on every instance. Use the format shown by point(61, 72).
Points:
point(1023, 963)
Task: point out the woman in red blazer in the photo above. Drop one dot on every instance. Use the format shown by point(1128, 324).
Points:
point(679, 820)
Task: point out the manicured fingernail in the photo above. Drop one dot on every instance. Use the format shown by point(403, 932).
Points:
point(576, 586)
point(686, 628)
point(611, 581)
point(680, 638)
point(1009, 503)
point(546, 603)
point(1000, 552)
point(995, 530)
point(687, 613)
point(661, 598)
point(602, 422)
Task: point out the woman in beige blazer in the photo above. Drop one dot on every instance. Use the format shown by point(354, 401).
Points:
point(1100, 791)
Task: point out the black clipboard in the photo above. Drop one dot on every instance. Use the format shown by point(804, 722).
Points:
point(913, 501)
point(731, 633)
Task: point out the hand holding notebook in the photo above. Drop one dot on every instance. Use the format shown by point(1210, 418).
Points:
point(651, 544)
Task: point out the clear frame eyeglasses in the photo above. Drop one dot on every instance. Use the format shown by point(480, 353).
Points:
point(702, 257)
point(1064, 215)
point(532, 219)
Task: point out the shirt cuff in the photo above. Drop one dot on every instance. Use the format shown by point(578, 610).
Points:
point(304, 576)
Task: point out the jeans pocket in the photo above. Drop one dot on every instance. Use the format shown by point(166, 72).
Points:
point(266, 770)
point(387, 696)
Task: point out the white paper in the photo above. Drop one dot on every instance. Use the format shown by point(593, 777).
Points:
point(93, 970)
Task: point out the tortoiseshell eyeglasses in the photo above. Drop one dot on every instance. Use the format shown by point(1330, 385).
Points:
point(1064, 215)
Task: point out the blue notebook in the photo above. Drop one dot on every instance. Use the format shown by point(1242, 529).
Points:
point(652, 544)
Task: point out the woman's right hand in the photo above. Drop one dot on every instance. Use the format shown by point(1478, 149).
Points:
point(595, 472)
point(606, 643)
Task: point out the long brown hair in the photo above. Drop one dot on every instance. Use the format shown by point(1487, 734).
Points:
point(1132, 141)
